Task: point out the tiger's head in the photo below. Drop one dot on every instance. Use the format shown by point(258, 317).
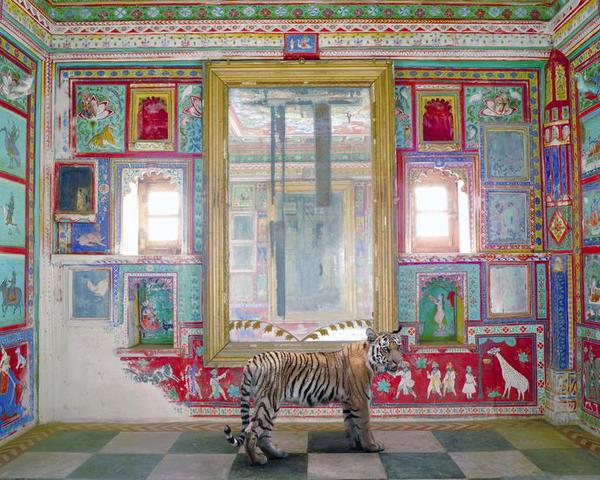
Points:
point(385, 351)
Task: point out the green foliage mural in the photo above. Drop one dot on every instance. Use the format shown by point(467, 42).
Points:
point(190, 118)
point(100, 118)
point(404, 134)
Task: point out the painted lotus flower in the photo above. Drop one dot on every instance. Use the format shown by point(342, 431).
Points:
point(195, 108)
point(92, 110)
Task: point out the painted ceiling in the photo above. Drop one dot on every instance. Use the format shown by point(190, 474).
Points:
point(281, 10)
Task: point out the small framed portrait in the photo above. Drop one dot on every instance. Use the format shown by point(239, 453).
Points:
point(152, 118)
point(75, 192)
point(91, 294)
point(509, 290)
point(438, 120)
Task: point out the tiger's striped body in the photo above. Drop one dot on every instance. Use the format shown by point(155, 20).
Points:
point(310, 379)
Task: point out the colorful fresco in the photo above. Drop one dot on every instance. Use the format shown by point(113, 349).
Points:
point(441, 307)
point(189, 97)
point(588, 86)
point(502, 104)
point(505, 153)
point(12, 289)
point(12, 207)
point(507, 218)
point(15, 84)
point(13, 134)
point(94, 237)
point(590, 378)
point(75, 189)
point(560, 296)
point(560, 221)
point(152, 307)
point(590, 142)
point(509, 290)
point(404, 121)
point(91, 294)
point(590, 210)
point(438, 120)
point(591, 285)
point(557, 167)
point(151, 118)
point(17, 373)
point(99, 118)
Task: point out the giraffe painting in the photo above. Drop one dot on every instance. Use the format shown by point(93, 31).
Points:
point(512, 378)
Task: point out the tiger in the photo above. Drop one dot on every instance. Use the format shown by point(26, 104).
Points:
point(309, 379)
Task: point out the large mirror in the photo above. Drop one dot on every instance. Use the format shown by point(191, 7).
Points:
point(299, 165)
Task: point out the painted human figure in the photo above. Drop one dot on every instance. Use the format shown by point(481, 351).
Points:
point(192, 379)
point(216, 388)
point(406, 382)
point(449, 380)
point(8, 389)
point(149, 320)
point(470, 387)
point(12, 287)
point(435, 380)
point(440, 315)
point(21, 360)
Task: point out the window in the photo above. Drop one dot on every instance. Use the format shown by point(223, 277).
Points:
point(439, 220)
point(159, 217)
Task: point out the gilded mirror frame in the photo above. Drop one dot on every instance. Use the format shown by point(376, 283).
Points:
point(219, 77)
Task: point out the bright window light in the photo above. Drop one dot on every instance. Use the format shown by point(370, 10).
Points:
point(163, 202)
point(431, 199)
point(432, 224)
point(163, 229)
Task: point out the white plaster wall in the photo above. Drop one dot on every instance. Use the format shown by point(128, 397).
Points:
point(83, 377)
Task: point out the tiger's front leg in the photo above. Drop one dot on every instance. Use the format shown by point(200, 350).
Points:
point(362, 427)
point(351, 430)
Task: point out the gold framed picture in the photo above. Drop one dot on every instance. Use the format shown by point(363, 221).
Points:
point(438, 121)
point(152, 118)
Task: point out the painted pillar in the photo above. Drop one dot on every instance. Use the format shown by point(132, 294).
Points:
point(558, 181)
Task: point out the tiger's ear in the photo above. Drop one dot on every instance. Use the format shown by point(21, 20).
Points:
point(371, 335)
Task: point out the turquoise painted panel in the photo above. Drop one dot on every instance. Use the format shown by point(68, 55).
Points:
point(13, 138)
point(190, 118)
point(491, 104)
point(100, 118)
point(15, 84)
point(407, 288)
point(12, 205)
point(404, 130)
point(198, 204)
point(542, 291)
point(12, 289)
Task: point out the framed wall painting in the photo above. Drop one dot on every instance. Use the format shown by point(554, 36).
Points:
point(152, 118)
point(591, 285)
point(505, 152)
point(75, 192)
point(13, 134)
point(506, 219)
point(90, 290)
point(300, 45)
point(590, 211)
point(589, 135)
point(438, 120)
point(12, 290)
point(509, 290)
point(13, 199)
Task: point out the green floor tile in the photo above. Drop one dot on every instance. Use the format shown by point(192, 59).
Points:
point(88, 441)
point(473, 441)
point(293, 467)
point(118, 466)
point(564, 461)
point(329, 442)
point(420, 465)
point(202, 442)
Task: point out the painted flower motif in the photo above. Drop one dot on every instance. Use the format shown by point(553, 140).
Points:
point(373, 10)
point(233, 13)
point(120, 12)
point(54, 13)
point(328, 13)
point(281, 11)
point(383, 386)
point(523, 357)
point(92, 110)
point(169, 14)
point(419, 13)
point(103, 14)
point(388, 12)
point(480, 13)
point(218, 12)
point(507, 13)
point(421, 362)
point(494, 12)
point(248, 11)
point(435, 12)
point(201, 13)
point(358, 12)
point(265, 12)
point(297, 12)
point(185, 12)
point(343, 11)
point(535, 15)
point(153, 12)
point(195, 107)
point(464, 11)
point(85, 13)
point(103, 188)
point(313, 11)
point(520, 12)
point(137, 14)
point(233, 391)
point(448, 13)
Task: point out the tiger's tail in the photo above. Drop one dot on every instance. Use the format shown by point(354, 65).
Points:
point(245, 410)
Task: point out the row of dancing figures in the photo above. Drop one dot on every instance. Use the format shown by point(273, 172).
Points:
point(436, 384)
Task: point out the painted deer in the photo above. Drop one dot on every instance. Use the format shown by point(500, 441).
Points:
point(512, 378)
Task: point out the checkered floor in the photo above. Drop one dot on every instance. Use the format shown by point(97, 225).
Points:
point(527, 449)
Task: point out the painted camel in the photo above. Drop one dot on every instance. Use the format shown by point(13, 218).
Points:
point(512, 378)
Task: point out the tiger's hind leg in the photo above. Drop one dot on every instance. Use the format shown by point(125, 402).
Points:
point(256, 456)
point(266, 413)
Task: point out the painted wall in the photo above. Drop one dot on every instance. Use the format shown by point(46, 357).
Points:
point(19, 206)
point(90, 351)
point(585, 101)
